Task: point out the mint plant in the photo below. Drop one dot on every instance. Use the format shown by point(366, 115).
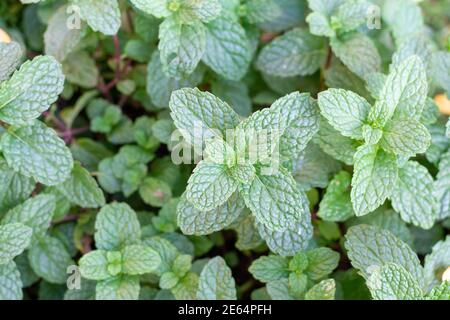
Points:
point(224, 150)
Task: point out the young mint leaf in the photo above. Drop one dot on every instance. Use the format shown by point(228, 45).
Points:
point(371, 135)
point(403, 94)
point(216, 281)
point(10, 53)
point(413, 197)
point(440, 65)
point(393, 282)
point(122, 287)
point(441, 188)
point(101, 15)
point(158, 8)
point(228, 51)
point(358, 53)
point(155, 192)
point(321, 262)
point(10, 283)
point(259, 11)
point(203, 10)
point(186, 288)
point(31, 90)
point(15, 188)
point(279, 290)
point(374, 177)
point(138, 259)
point(181, 46)
point(81, 189)
point(210, 186)
point(345, 111)
point(196, 222)
point(211, 117)
point(325, 7)
point(94, 265)
point(294, 53)
point(49, 259)
point(319, 25)
point(370, 248)
point(276, 201)
point(441, 292)
point(405, 137)
point(14, 239)
point(247, 234)
point(404, 18)
point(336, 204)
point(35, 213)
point(36, 151)
point(324, 290)
point(269, 268)
point(116, 226)
point(167, 252)
point(350, 15)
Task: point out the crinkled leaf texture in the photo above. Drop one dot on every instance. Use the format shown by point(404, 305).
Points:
point(101, 15)
point(216, 281)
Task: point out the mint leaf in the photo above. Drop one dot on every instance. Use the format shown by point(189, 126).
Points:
point(49, 259)
point(227, 48)
point(336, 204)
point(10, 283)
point(321, 262)
point(116, 226)
point(158, 8)
point(259, 11)
point(413, 196)
point(370, 248)
point(294, 53)
point(10, 54)
point(181, 46)
point(216, 282)
point(441, 292)
point(101, 15)
point(269, 268)
point(319, 25)
point(94, 265)
point(442, 187)
point(14, 239)
point(203, 10)
point(393, 282)
point(275, 200)
point(436, 262)
point(31, 90)
point(441, 62)
point(374, 177)
point(122, 287)
point(81, 189)
point(210, 186)
point(138, 259)
point(196, 222)
point(345, 111)
point(36, 151)
point(324, 290)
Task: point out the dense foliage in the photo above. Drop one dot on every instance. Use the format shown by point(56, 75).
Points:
point(224, 149)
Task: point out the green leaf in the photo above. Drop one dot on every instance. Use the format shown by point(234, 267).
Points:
point(101, 15)
point(203, 10)
point(36, 151)
point(116, 226)
point(209, 186)
point(276, 201)
point(155, 192)
point(59, 39)
point(138, 259)
point(296, 52)
point(36, 213)
point(94, 265)
point(10, 53)
point(346, 111)
point(181, 46)
point(441, 292)
point(403, 94)
point(10, 283)
point(279, 290)
point(440, 63)
point(350, 15)
point(228, 50)
point(195, 222)
point(210, 116)
point(370, 248)
point(50, 259)
point(321, 263)
point(31, 90)
point(15, 188)
point(235, 93)
point(374, 177)
point(336, 205)
point(82, 189)
point(413, 197)
point(324, 290)
point(393, 282)
point(319, 25)
point(325, 7)
point(358, 53)
point(404, 18)
point(371, 135)
point(122, 287)
point(216, 281)
point(405, 137)
point(437, 262)
point(186, 288)
point(158, 8)
point(269, 268)
point(81, 70)
point(442, 187)
point(259, 11)
point(14, 239)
